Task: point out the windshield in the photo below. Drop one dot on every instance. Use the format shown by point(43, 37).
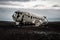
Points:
point(18, 12)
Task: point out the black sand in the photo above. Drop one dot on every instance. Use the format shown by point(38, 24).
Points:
point(8, 31)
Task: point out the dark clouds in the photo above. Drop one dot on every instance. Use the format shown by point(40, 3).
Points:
point(6, 3)
point(39, 5)
point(16, 0)
point(21, 0)
point(56, 6)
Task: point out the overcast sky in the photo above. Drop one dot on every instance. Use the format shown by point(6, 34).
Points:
point(49, 8)
point(31, 4)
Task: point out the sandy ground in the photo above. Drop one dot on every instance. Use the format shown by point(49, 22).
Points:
point(8, 31)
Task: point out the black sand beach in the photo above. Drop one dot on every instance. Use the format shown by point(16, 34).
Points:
point(8, 31)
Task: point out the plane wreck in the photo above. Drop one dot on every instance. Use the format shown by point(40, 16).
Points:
point(26, 17)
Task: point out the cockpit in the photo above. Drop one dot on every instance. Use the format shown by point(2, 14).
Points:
point(18, 12)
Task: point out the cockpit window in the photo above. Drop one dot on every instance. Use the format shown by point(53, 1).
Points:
point(44, 16)
point(18, 12)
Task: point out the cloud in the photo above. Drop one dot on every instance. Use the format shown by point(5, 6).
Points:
point(16, 0)
point(11, 3)
point(32, 4)
point(39, 5)
point(56, 5)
